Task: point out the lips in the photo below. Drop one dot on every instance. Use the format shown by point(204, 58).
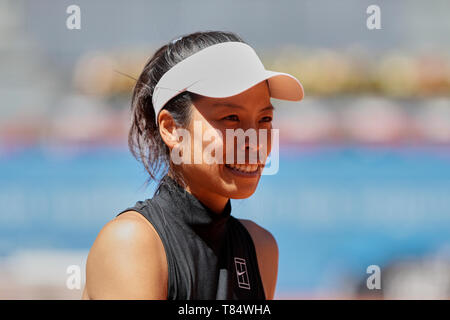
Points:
point(245, 170)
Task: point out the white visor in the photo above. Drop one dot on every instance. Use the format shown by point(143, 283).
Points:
point(223, 70)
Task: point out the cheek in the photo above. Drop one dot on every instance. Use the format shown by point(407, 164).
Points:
point(213, 147)
point(207, 145)
point(229, 145)
point(269, 141)
point(265, 144)
point(203, 140)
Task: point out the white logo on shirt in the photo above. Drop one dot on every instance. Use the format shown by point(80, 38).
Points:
point(241, 272)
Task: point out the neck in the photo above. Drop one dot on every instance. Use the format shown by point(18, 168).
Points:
point(215, 202)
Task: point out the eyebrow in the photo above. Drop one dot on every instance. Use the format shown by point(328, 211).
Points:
point(237, 106)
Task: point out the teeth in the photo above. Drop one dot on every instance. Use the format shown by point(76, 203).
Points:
point(244, 167)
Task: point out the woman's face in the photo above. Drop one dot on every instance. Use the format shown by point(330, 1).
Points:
point(238, 173)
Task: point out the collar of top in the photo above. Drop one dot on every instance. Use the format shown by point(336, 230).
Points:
point(196, 217)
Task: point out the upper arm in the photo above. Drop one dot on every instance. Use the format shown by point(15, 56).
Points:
point(127, 261)
point(267, 253)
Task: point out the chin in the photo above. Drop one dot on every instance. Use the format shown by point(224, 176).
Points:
point(240, 189)
point(242, 194)
point(226, 182)
point(243, 183)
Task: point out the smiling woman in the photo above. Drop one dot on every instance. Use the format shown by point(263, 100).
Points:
point(183, 243)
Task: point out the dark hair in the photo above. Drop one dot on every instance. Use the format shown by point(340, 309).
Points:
point(144, 139)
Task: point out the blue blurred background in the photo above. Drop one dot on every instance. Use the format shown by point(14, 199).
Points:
point(364, 174)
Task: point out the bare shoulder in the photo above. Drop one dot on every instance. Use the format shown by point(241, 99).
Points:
point(126, 261)
point(266, 249)
point(260, 235)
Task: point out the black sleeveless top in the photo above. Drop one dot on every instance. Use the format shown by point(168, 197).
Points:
point(209, 256)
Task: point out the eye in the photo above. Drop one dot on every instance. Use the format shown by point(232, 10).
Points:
point(231, 117)
point(266, 119)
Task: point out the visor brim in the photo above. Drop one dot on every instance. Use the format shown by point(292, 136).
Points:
point(282, 86)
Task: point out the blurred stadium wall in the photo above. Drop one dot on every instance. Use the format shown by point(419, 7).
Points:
point(365, 161)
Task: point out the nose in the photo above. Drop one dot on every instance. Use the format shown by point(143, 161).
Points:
point(250, 147)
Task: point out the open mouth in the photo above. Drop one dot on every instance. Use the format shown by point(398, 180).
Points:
point(249, 170)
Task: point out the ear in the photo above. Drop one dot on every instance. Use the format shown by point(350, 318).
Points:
point(167, 129)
